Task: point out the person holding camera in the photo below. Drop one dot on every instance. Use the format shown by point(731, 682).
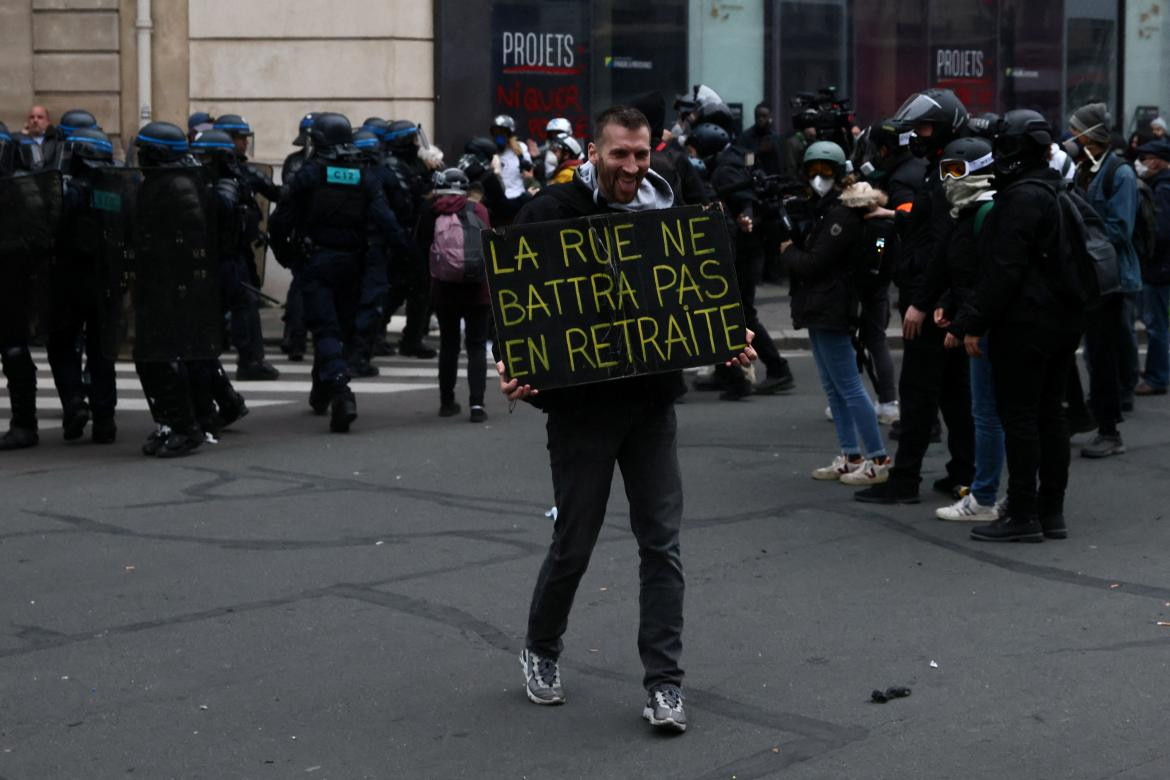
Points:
point(731, 183)
point(825, 300)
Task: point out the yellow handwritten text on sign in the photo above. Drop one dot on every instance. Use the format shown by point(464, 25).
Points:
point(611, 296)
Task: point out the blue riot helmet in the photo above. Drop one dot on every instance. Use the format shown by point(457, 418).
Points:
point(161, 143)
point(76, 119)
point(215, 147)
point(402, 138)
point(303, 130)
point(368, 146)
point(90, 146)
point(8, 154)
point(239, 129)
point(332, 135)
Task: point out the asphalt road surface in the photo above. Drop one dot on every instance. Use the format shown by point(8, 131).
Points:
point(290, 603)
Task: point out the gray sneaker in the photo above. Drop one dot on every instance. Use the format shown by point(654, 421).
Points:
point(1102, 446)
point(542, 678)
point(664, 708)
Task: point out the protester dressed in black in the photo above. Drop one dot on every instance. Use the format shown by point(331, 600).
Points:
point(628, 422)
point(1033, 328)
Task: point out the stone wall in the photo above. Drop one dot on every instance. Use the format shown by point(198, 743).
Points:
point(63, 54)
point(272, 61)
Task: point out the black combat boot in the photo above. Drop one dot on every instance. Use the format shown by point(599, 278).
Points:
point(75, 417)
point(343, 409)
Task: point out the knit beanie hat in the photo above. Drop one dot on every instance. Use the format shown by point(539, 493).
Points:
point(1092, 121)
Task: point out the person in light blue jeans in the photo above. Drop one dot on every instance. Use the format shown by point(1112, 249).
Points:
point(825, 300)
point(853, 412)
point(989, 452)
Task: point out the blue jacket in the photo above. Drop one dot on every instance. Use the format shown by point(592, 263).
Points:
point(1119, 213)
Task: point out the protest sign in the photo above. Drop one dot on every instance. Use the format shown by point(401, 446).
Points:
point(614, 295)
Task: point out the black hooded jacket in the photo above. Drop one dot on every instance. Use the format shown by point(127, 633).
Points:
point(822, 270)
point(1020, 259)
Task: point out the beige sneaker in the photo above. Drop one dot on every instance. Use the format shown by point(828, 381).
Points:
point(869, 473)
point(837, 469)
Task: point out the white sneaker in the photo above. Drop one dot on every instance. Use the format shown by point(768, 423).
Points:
point(829, 413)
point(869, 473)
point(888, 414)
point(837, 469)
point(968, 510)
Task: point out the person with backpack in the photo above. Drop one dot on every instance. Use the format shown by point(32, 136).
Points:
point(1033, 319)
point(1153, 166)
point(966, 172)
point(825, 300)
point(459, 291)
point(1110, 187)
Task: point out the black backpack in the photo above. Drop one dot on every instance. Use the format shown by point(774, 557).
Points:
point(1145, 226)
point(1087, 269)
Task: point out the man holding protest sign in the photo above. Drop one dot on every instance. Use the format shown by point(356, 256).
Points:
point(662, 295)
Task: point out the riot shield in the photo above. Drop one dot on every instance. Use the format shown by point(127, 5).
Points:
point(167, 270)
point(113, 195)
point(260, 249)
point(30, 221)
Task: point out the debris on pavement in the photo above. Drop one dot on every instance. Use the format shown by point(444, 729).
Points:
point(894, 692)
point(552, 514)
point(934, 664)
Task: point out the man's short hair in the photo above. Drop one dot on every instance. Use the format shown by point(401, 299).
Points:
point(625, 116)
point(764, 104)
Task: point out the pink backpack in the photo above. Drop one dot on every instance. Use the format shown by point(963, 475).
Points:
point(457, 252)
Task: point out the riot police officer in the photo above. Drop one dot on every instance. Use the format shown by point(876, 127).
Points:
point(369, 326)
point(247, 337)
point(170, 202)
point(76, 319)
point(334, 206)
point(19, 369)
point(293, 340)
point(409, 278)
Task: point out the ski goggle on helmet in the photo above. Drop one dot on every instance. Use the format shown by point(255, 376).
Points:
point(821, 168)
point(960, 169)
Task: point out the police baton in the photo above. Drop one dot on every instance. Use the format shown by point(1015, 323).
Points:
point(250, 288)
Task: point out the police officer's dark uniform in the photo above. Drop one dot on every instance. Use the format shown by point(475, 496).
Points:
point(76, 321)
point(165, 202)
point(243, 304)
point(933, 378)
point(293, 341)
point(334, 206)
point(19, 369)
point(369, 322)
point(409, 275)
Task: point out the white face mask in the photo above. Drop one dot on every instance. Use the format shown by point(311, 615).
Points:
point(821, 185)
point(1141, 169)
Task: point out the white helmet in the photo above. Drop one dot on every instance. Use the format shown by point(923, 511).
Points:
point(571, 145)
point(560, 126)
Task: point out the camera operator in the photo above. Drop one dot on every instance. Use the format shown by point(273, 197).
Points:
point(669, 160)
point(733, 186)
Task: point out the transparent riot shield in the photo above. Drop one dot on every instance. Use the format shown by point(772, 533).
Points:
point(260, 248)
point(113, 196)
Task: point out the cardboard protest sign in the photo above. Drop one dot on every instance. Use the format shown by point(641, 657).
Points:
point(614, 295)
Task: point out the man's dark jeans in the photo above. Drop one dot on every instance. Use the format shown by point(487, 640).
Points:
point(1031, 369)
point(1104, 334)
point(584, 444)
point(934, 378)
point(475, 318)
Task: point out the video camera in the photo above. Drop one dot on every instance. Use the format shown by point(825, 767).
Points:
point(829, 115)
point(783, 200)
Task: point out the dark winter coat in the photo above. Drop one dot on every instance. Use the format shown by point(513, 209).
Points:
point(823, 287)
point(1020, 257)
